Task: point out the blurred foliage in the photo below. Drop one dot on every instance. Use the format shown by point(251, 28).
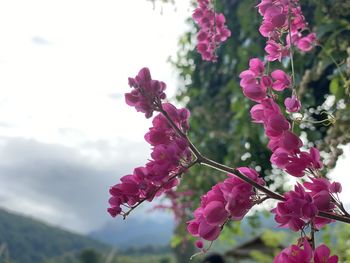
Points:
point(89, 256)
point(220, 120)
point(273, 240)
point(93, 256)
point(337, 237)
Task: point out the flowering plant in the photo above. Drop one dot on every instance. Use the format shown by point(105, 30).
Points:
point(313, 202)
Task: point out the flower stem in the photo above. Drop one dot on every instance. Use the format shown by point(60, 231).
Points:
point(200, 159)
point(290, 42)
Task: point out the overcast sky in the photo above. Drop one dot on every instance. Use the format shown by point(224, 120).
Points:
point(66, 134)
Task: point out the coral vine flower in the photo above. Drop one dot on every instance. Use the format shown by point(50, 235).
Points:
point(213, 30)
point(301, 206)
point(306, 43)
point(295, 254)
point(275, 51)
point(170, 153)
point(296, 210)
point(254, 84)
point(232, 198)
point(281, 80)
point(275, 25)
point(322, 255)
point(146, 92)
point(292, 104)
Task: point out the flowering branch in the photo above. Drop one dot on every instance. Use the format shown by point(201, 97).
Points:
point(153, 193)
point(221, 167)
point(312, 203)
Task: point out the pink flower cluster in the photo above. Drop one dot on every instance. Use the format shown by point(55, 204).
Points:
point(280, 17)
point(212, 31)
point(255, 83)
point(170, 154)
point(230, 199)
point(284, 144)
point(301, 207)
point(295, 254)
point(146, 93)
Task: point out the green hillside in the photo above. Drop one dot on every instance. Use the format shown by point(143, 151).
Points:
point(25, 240)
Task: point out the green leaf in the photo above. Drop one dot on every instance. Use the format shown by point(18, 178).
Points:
point(336, 88)
point(175, 241)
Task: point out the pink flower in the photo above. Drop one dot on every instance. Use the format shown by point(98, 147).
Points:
point(169, 153)
point(146, 92)
point(295, 254)
point(266, 82)
point(275, 125)
point(296, 210)
point(297, 165)
point(257, 66)
point(282, 80)
point(257, 113)
point(275, 26)
point(207, 231)
point(321, 190)
point(267, 28)
point(215, 213)
point(199, 244)
point(307, 43)
point(290, 142)
point(292, 104)
point(252, 87)
point(255, 92)
point(316, 159)
point(336, 187)
point(275, 51)
point(213, 30)
point(232, 199)
point(280, 158)
point(276, 15)
point(248, 77)
point(322, 255)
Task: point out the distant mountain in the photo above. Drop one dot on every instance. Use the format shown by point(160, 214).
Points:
point(25, 240)
point(135, 232)
point(139, 232)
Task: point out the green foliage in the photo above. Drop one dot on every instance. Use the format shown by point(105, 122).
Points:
point(144, 259)
point(273, 239)
point(337, 237)
point(220, 120)
point(261, 257)
point(89, 256)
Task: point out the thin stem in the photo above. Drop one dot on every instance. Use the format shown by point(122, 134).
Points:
point(218, 166)
point(336, 64)
point(181, 133)
point(153, 193)
point(200, 159)
point(290, 42)
point(312, 234)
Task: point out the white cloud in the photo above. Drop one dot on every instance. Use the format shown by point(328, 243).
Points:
point(62, 185)
point(60, 62)
point(94, 47)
